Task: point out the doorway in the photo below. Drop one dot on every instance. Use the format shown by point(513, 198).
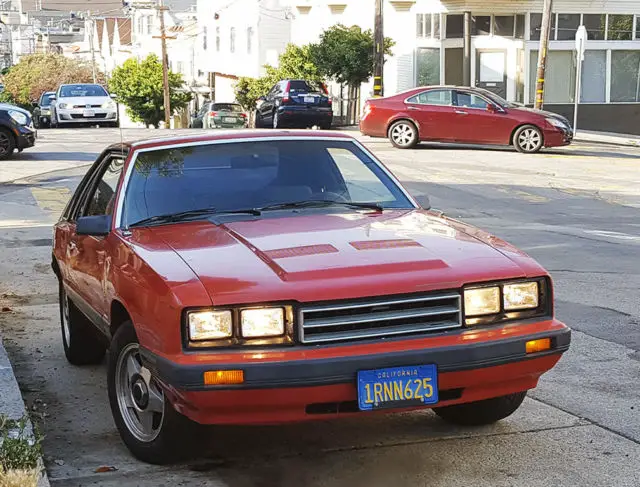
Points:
point(491, 71)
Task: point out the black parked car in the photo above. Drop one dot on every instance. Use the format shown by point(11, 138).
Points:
point(297, 104)
point(16, 130)
point(42, 110)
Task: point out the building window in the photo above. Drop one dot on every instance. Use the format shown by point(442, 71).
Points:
point(620, 28)
point(455, 27)
point(428, 25)
point(595, 25)
point(428, 66)
point(149, 24)
point(141, 25)
point(481, 25)
point(180, 66)
point(567, 26)
point(249, 39)
point(594, 78)
point(453, 61)
point(503, 25)
point(520, 26)
point(217, 39)
point(638, 27)
point(625, 76)
point(535, 24)
point(204, 38)
point(560, 76)
point(232, 39)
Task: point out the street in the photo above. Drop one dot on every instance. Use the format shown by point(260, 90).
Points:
point(575, 209)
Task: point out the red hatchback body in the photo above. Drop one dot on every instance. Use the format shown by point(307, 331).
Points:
point(263, 278)
point(462, 115)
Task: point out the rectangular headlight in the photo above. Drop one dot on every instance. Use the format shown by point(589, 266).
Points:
point(482, 301)
point(260, 323)
point(210, 325)
point(523, 295)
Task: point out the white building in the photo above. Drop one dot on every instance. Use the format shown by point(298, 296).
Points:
point(237, 38)
point(502, 48)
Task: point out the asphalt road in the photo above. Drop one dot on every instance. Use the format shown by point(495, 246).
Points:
point(575, 209)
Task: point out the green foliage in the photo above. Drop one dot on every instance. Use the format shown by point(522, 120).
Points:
point(37, 73)
point(294, 63)
point(18, 450)
point(346, 54)
point(139, 86)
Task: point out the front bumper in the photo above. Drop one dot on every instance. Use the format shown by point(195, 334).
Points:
point(25, 137)
point(557, 137)
point(79, 116)
point(281, 390)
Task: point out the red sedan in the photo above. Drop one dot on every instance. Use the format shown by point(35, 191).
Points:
point(252, 278)
point(462, 115)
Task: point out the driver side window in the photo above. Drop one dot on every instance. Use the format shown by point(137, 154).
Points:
point(102, 200)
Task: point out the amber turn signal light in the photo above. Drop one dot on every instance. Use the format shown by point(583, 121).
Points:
point(223, 377)
point(540, 345)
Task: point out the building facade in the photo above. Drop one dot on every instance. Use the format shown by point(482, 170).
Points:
point(494, 44)
point(238, 38)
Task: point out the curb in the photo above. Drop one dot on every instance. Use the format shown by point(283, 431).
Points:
point(617, 141)
point(11, 403)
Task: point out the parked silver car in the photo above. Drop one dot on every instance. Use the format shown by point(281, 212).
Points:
point(82, 104)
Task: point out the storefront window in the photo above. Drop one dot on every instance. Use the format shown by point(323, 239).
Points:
point(625, 76)
point(535, 24)
point(455, 28)
point(567, 26)
point(453, 60)
point(560, 77)
point(595, 25)
point(503, 25)
point(520, 26)
point(428, 66)
point(620, 28)
point(594, 77)
point(481, 25)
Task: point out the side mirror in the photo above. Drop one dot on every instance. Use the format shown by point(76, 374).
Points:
point(423, 201)
point(262, 98)
point(97, 226)
point(53, 98)
point(113, 95)
point(492, 108)
point(35, 104)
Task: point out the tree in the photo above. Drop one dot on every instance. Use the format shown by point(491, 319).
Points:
point(37, 73)
point(294, 63)
point(138, 85)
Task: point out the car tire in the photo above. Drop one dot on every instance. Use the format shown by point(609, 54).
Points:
point(528, 139)
point(403, 134)
point(257, 121)
point(480, 413)
point(276, 120)
point(325, 126)
point(7, 143)
point(148, 424)
point(81, 341)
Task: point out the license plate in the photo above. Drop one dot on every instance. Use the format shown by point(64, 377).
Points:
point(397, 387)
point(309, 99)
point(88, 113)
point(229, 119)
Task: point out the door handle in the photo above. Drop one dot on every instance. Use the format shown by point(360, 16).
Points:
point(412, 108)
point(461, 112)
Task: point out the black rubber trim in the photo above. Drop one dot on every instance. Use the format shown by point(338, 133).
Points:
point(306, 373)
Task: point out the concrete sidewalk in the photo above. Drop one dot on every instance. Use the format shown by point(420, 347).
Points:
point(11, 403)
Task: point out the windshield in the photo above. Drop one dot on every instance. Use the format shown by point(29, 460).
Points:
point(45, 101)
point(241, 175)
point(82, 90)
point(227, 107)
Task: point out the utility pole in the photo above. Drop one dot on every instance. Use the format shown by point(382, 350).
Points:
point(542, 53)
point(378, 52)
point(165, 67)
point(93, 54)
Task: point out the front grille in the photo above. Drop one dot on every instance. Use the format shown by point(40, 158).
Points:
point(85, 106)
point(97, 115)
point(382, 317)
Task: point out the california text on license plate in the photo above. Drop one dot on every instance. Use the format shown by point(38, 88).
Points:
point(397, 387)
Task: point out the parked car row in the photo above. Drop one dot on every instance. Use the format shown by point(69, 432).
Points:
point(76, 104)
point(462, 115)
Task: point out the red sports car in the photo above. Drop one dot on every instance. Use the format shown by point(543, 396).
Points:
point(462, 115)
point(252, 278)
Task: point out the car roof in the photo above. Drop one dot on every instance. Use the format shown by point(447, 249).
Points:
point(241, 135)
point(81, 84)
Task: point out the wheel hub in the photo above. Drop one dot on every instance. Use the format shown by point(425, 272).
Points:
point(140, 393)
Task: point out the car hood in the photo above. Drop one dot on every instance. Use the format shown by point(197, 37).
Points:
point(83, 100)
point(8, 106)
point(542, 113)
point(337, 256)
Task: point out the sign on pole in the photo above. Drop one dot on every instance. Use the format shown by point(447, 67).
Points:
point(581, 43)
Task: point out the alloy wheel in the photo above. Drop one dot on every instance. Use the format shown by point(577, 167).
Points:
point(402, 134)
point(275, 119)
point(5, 144)
point(529, 140)
point(66, 327)
point(140, 398)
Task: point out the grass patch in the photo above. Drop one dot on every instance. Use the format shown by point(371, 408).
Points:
point(20, 453)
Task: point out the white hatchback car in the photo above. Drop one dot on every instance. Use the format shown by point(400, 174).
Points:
point(83, 103)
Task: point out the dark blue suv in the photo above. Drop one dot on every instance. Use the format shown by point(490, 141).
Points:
point(295, 103)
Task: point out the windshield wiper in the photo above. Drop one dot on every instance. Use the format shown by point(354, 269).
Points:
point(185, 215)
point(320, 204)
